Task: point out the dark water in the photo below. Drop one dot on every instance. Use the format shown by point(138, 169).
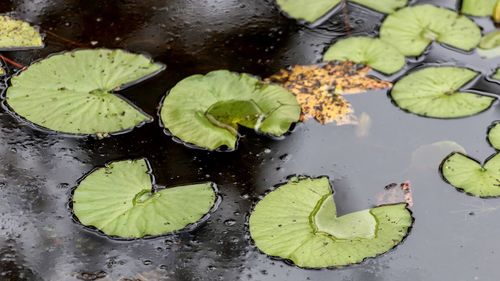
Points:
point(455, 237)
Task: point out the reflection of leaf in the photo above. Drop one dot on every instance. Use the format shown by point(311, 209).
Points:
point(429, 156)
point(298, 221)
point(120, 200)
point(17, 34)
point(319, 88)
point(481, 8)
point(206, 110)
point(412, 29)
point(74, 92)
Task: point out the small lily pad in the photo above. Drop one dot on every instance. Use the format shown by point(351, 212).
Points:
point(206, 110)
point(497, 75)
point(307, 10)
point(470, 176)
point(489, 47)
point(298, 222)
point(412, 29)
point(479, 8)
point(383, 6)
point(435, 92)
point(494, 135)
point(75, 92)
point(122, 200)
point(369, 51)
point(17, 35)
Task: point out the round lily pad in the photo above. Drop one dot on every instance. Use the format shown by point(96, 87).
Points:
point(368, 51)
point(480, 8)
point(76, 92)
point(412, 29)
point(307, 10)
point(206, 110)
point(383, 6)
point(470, 176)
point(298, 222)
point(17, 35)
point(494, 135)
point(122, 200)
point(435, 92)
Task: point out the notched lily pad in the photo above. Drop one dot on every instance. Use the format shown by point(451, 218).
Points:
point(383, 6)
point(412, 29)
point(75, 92)
point(121, 200)
point(494, 135)
point(298, 222)
point(307, 10)
point(468, 175)
point(479, 8)
point(206, 110)
point(368, 51)
point(17, 35)
point(435, 92)
point(319, 89)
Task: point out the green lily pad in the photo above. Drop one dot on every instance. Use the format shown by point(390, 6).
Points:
point(75, 92)
point(383, 6)
point(480, 8)
point(298, 222)
point(412, 29)
point(17, 35)
point(468, 175)
point(496, 75)
point(122, 200)
point(435, 92)
point(494, 135)
point(368, 51)
point(489, 47)
point(206, 110)
point(309, 11)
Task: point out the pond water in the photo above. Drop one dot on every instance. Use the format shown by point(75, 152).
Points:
point(455, 236)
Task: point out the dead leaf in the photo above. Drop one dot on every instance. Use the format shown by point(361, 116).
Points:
point(320, 88)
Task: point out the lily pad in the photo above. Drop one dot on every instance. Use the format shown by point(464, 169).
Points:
point(122, 200)
point(489, 47)
point(75, 92)
point(412, 29)
point(480, 8)
point(470, 176)
point(307, 10)
point(369, 51)
point(17, 35)
point(383, 6)
point(435, 92)
point(206, 110)
point(494, 135)
point(298, 222)
point(497, 75)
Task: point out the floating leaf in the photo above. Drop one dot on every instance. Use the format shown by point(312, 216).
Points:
point(469, 175)
point(434, 92)
point(412, 29)
point(496, 12)
point(17, 34)
point(205, 110)
point(75, 92)
point(494, 135)
point(368, 51)
point(121, 200)
point(480, 8)
point(318, 89)
point(383, 6)
point(489, 47)
point(307, 10)
point(298, 222)
point(497, 74)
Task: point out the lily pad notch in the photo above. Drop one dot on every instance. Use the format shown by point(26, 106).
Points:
point(76, 92)
point(297, 221)
point(122, 200)
point(17, 35)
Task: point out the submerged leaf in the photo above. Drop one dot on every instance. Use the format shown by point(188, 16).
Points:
point(412, 29)
point(74, 92)
point(121, 200)
point(469, 175)
point(298, 222)
point(319, 89)
point(480, 8)
point(434, 92)
point(383, 6)
point(494, 135)
point(368, 51)
point(205, 110)
point(17, 34)
point(307, 10)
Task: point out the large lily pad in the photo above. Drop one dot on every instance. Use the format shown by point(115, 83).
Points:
point(17, 34)
point(369, 51)
point(298, 222)
point(75, 92)
point(307, 10)
point(435, 92)
point(480, 8)
point(412, 29)
point(383, 6)
point(494, 135)
point(470, 176)
point(121, 200)
point(206, 110)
